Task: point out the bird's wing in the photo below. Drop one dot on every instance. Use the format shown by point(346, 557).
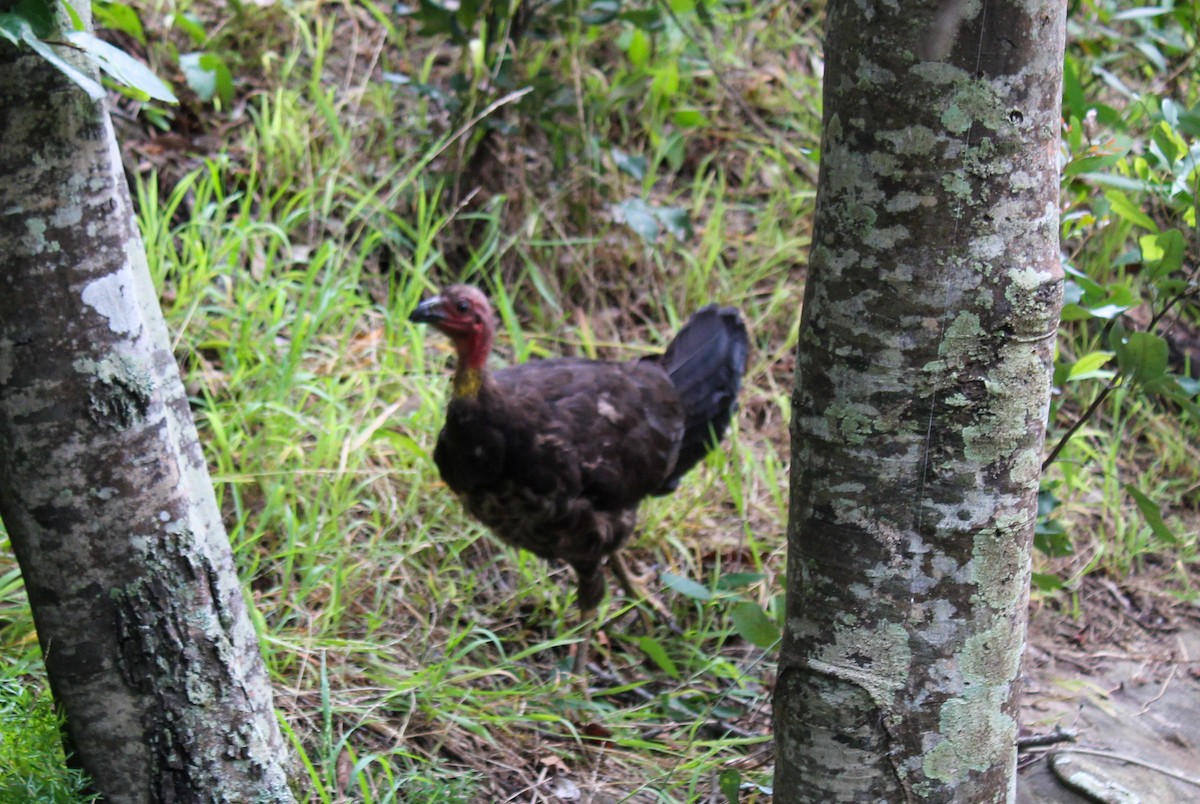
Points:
point(617, 425)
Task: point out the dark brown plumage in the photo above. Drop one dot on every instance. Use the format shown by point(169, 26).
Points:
point(555, 455)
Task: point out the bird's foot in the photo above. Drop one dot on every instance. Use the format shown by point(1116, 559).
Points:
point(635, 588)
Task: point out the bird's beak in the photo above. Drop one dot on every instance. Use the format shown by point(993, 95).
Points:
point(430, 311)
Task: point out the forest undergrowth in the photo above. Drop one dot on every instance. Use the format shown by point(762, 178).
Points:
point(602, 171)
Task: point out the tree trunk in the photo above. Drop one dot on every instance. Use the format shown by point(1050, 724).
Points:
point(919, 411)
point(104, 492)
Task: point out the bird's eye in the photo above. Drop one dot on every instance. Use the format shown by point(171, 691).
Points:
point(462, 306)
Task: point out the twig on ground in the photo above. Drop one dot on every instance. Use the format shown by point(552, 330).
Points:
point(1059, 735)
point(1162, 692)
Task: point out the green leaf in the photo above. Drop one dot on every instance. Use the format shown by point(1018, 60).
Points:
point(1072, 292)
point(651, 647)
point(10, 27)
point(203, 82)
point(1047, 582)
point(647, 19)
point(1086, 298)
point(1142, 356)
point(1121, 294)
point(690, 118)
point(77, 23)
point(639, 48)
point(1051, 538)
point(753, 625)
point(600, 12)
point(1073, 134)
point(85, 82)
point(39, 14)
point(1188, 386)
point(122, 67)
point(730, 782)
point(635, 166)
point(1184, 400)
point(208, 76)
point(1089, 164)
point(685, 586)
point(738, 580)
point(674, 149)
point(1107, 311)
point(1152, 514)
point(638, 216)
point(1073, 94)
point(647, 221)
point(676, 220)
point(216, 64)
point(1086, 367)
point(1047, 502)
point(191, 26)
point(1167, 145)
point(666, 80)
point(1170, 113)
point(1128, 210)
point(1163, 253)
point(118, 17)
point(1189, 124)
point(1140, 13)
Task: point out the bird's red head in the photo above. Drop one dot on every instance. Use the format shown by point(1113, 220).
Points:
point(464, 315)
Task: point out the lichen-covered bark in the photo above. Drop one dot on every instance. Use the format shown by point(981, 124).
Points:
point(922, 386)
point(103, 487)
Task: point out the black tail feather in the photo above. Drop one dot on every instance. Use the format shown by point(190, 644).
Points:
point(705, 362)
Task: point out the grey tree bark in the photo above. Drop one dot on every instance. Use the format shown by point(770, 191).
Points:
point(104, 491)
point(922, 388)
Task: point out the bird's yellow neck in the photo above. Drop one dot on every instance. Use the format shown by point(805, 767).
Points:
point(467, 382)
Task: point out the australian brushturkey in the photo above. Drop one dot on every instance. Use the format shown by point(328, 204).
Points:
point(555, 455)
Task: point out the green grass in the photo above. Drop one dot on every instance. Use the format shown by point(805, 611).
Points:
point(414, 655)
point(415, 658)
point(32, 765)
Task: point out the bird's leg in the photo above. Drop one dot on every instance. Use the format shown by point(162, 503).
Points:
point(591, 592)
point(588, 623)
point(635, 587)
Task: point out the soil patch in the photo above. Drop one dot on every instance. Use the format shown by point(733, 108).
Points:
point(1114, 685)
